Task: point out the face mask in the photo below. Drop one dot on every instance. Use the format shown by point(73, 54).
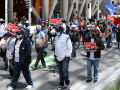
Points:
point(93, 35)
point(75, 22)
point(42, 26)
point(88, 28)
point(106, 25)
point(6, 32)
point(38, 30)
point(19, 36)
point(58, 33)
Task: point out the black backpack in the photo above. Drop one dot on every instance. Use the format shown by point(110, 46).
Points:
point(67, 29)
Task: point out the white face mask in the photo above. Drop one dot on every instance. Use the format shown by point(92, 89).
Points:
point(19, 36)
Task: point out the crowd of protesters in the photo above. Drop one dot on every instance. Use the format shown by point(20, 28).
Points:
point(65, 40)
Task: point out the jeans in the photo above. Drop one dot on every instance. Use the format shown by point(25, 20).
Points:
point(63, 71)
point(30, 38)
point(16, 73)
point(40, 56)
point(108, 42)
point(96, 68)
point(103, 37)
point(6, 62)
point(80, 38)
point(112, 37)
point(73, 50)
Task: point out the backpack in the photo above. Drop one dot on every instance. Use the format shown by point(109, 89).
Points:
point(67, 29)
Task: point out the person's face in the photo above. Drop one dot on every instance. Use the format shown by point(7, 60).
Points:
point(19, 26)
point(93, 34)
point(20, 36)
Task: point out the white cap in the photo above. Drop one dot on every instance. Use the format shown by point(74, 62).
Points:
point(27, 21)
point(74, 26)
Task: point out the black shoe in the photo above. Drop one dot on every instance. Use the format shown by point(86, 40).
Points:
point(87, 81)
point(32, 42)
point(10, 77)
point(95, 81)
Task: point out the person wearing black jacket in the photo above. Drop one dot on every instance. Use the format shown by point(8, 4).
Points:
point(75, 40)
point(94, 57)
point(118, 35)
point(21, 59)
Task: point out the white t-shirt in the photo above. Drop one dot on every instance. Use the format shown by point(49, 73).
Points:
point(10, 46)
point(92, 53)
point(17, 47)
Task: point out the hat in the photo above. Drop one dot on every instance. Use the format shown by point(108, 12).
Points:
point(1, 19)
point(20, 31)
point(73, 26)
point(89, 26)
point(27, 21)
point(59, 28)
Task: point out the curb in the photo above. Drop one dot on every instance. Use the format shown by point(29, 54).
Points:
point(107, 77)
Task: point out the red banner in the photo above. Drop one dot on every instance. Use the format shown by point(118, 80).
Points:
point(11, 27)
point(116, 20)
point(55, 22)
point(90, 46)
point(110, 17)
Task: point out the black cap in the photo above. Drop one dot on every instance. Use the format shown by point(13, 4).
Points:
point(59, 28)
point(20, 32)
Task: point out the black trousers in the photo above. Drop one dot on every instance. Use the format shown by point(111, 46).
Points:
point(40, 56)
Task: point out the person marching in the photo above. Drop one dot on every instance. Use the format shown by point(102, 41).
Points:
point(39, 44)
point(63, 50)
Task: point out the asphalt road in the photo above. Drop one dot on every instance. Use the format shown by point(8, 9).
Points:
point(44, 79)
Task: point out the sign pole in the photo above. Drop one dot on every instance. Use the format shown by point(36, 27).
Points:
point(6, 12)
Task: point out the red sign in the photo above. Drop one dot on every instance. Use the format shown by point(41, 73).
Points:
point(101, 34)
point(110, 17)
point(11, 27)
point(90, 46)
point(55, 22)
point(116, 20)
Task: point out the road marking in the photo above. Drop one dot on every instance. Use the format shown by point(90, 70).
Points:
point(49, 60)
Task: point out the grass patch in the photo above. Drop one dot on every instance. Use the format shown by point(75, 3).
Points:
point(115, 87)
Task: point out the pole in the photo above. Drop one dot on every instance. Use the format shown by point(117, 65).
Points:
point(6, 12)
point(97, 9)
point(117, 8)
point(30, 11)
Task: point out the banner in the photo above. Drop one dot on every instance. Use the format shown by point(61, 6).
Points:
point(116, 20)
point(110, 8)
point(11, 27)
point(90, 46)
point(54, 22)
point(110, 17)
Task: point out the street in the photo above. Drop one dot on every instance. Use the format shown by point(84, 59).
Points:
point(47, 79)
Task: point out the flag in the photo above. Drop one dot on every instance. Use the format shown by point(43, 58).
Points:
point(110, 8)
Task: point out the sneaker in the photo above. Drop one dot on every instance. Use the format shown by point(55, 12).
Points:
point(59, 87)
point(68, 87)
point(87, 81)
point(10, 88)
point(95, 81)
point(33, 67)
point(43, 67)
point(30, 86)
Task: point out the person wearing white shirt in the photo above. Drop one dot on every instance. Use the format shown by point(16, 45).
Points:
point(63, 50)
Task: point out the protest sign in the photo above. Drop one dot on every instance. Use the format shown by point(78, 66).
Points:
point(90, 46)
